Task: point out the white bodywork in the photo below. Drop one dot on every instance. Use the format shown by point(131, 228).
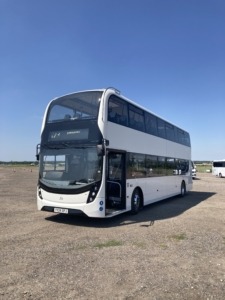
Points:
point(218, 168)
point(125, 139)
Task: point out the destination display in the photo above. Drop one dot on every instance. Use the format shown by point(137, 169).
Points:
point(68, 135)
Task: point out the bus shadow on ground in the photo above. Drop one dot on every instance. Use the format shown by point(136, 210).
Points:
point(165, 209)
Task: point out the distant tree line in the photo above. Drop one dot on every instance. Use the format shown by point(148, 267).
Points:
point(18, 163)
point(201, 162)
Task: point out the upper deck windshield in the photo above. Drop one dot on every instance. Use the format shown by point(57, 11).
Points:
point(82, 105)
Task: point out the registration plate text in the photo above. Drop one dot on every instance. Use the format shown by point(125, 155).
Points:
point(61, 210)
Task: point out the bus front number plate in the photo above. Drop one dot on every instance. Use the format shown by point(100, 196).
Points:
point(61, 210)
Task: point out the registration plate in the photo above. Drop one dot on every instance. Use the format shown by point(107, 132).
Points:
point(61, 210)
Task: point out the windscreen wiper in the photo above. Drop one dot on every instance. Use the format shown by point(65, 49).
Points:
point(79, 182)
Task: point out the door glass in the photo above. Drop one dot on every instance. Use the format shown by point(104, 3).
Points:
point(115, 166)
point(115, 181)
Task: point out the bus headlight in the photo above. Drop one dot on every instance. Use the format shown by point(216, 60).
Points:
point(93, 192)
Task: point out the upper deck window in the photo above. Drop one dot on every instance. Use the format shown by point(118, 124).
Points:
point(170, 132)
point(117, 111)
point(136, 118)
point(161, 128)
point(151, 124)
point(183, 137)
point(83, 105)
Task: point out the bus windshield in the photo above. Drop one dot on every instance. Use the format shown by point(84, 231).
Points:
point(70, 168)
point(82, 105)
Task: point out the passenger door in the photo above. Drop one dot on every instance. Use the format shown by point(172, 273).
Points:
point(116, 180)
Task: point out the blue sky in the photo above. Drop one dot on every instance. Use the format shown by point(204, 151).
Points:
point(166, 55)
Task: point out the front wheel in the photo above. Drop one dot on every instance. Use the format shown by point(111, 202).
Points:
point(135, 202)
point(183, 189)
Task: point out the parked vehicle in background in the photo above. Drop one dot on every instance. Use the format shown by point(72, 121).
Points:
point(193, 170)
point(218, 168)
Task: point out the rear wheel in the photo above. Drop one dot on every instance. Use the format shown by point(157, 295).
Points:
point(183, 189)
point(220, 175)
point(135, 202)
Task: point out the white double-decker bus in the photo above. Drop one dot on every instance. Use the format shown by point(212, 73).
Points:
point(102, 154)
point(218, 168)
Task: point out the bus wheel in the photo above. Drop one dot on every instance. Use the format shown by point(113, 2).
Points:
point(135, 202)
point(183, 189)
point(220, 175)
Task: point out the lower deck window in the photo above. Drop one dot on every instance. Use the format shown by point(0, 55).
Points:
point(141, 165)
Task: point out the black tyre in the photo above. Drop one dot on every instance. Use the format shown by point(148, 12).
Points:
point(135, 202)
point(183, 189)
